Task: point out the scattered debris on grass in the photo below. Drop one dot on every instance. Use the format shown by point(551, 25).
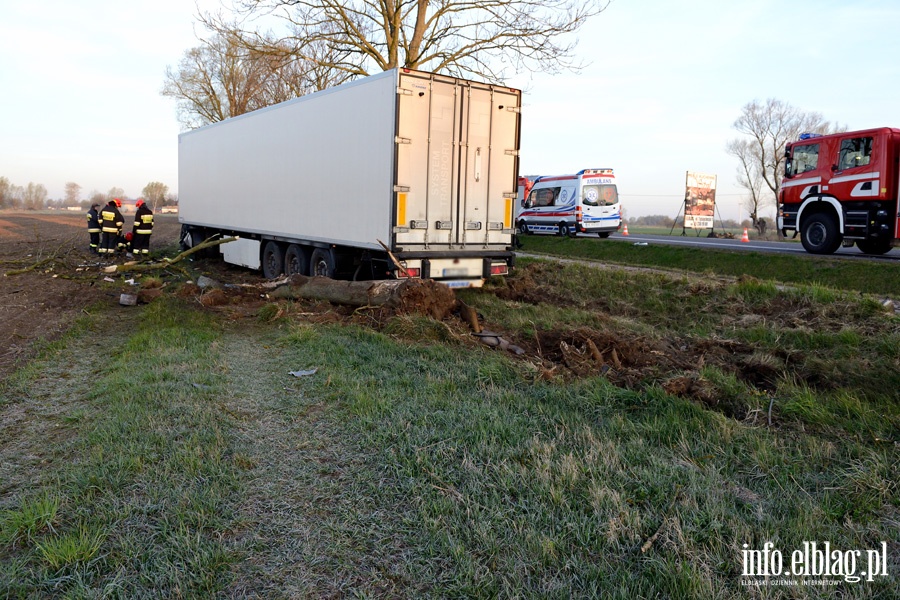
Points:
point(304, 373)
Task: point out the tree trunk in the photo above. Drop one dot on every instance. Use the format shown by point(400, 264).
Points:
point(406, 295)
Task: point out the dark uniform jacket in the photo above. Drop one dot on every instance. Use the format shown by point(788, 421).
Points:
point(111, 220)
point(143, 220)
point(93, 220)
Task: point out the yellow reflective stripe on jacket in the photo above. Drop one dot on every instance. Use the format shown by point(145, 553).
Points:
point(144, 231)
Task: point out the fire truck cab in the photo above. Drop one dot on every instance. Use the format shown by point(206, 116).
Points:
point(842, 188)
point(586, 202)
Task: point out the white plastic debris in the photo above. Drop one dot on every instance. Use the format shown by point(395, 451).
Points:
point(303, 373)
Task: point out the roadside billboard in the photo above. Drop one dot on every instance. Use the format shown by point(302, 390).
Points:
point(699, 201)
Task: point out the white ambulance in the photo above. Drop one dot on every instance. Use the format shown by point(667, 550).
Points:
point(586, 202)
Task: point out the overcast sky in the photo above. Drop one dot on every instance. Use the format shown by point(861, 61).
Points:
point(80, 88)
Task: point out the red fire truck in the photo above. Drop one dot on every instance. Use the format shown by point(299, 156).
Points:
point(843, 189)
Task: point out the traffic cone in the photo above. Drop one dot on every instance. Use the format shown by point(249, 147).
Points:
point(625, 231)
point(744, 237)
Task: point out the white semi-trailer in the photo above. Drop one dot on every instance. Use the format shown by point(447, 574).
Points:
point(401, 167)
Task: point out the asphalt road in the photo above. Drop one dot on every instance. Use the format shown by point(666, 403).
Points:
point(735, 244)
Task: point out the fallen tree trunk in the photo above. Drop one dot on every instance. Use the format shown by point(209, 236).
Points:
point(407, 295)
point(167, 262)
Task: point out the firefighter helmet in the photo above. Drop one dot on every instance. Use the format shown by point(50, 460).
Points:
point(139, 203)
point(118, 203)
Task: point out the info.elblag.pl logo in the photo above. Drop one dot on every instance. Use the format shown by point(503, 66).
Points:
point(813, 563)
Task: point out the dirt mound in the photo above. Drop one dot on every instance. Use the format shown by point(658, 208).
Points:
point(426, 298)
point(622, 358)
point(526, 287)
point(635, 361)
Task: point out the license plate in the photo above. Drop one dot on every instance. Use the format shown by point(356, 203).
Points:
point(456, 272)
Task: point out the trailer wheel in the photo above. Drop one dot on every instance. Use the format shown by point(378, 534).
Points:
point(322, 263)
point(184, 239)
point(272, 261)
point(197, 237)
point(874, 246)
point(296, 261)
point(820, 234)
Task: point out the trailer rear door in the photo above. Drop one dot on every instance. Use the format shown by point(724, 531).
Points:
point(457, 156)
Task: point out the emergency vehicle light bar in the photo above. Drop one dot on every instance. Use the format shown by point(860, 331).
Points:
point(809, 136)
point(595, 172)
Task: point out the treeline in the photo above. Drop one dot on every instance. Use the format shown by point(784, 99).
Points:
point(34, 196)
point(665, 221)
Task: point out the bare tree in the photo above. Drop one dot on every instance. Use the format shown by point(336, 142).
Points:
point(115, 192)
point(15, 196)
point(482, 38)
point(154, 193)
point(73, 194)
point(770, 126)
point(35, 196)
point(98, 198)
point(5, 193)
point(749, 178)
point(226, 76)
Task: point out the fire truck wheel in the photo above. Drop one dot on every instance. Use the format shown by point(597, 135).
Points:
point(820, 234)
point(272, 261)
point(874, 246)
point(296, 261)
point(322, 263)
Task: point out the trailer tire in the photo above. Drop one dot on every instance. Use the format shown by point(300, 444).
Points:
point(272, 260)
point(184, 239)
point(877, 247)
point(296, 261)
point(197, 237)
point(820, 234)
point(322, 263)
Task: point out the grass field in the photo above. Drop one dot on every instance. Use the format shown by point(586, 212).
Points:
point(736, 231)
point(173, 455)
point(878, 278)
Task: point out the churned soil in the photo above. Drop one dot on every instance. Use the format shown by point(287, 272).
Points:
point(60, 279)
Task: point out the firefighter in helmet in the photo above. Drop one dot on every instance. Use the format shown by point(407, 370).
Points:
point(143, 227)
point(111, 222)
point(93, 223)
